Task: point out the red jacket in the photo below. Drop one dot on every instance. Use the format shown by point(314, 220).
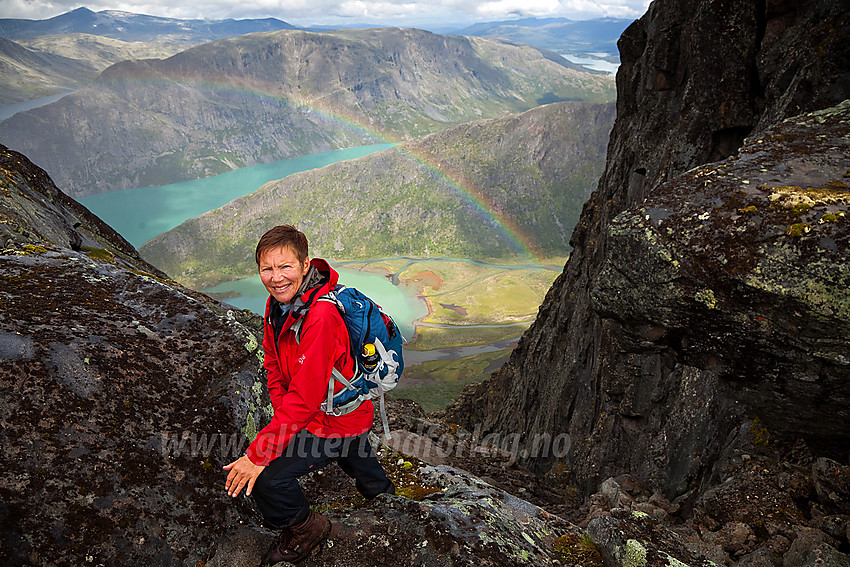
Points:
point(298, 372)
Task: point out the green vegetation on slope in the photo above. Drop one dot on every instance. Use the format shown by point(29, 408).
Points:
point(489, 189)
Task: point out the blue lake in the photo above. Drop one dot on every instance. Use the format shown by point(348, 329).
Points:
point(10, 110)
point(595, 61)
point(141, 213)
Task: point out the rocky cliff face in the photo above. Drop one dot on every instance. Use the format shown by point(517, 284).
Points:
point(34, 210)
point(121, 392)
point(270, 96)
point(700, 303)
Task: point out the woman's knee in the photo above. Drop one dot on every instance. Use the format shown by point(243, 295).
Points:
point(268, 483)
point(262, 484)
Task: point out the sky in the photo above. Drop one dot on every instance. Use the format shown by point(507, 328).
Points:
point(403, 13)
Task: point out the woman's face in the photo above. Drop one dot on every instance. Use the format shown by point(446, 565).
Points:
point(282, 273)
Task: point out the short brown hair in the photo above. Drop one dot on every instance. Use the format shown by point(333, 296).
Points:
point(282, 236)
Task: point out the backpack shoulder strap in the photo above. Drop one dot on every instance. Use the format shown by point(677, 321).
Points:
point(329, 297)
point(296, 328)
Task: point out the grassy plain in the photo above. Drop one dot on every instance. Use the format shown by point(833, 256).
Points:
point(434, 384)
point(469, 304)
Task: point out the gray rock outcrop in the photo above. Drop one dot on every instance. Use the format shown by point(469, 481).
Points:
point(465, 522)
point(122, 392)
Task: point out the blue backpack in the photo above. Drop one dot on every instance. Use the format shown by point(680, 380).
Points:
point(376, 347)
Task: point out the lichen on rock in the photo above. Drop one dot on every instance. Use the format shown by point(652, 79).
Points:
point(732, 285)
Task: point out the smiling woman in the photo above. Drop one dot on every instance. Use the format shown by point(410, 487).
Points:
point(308, 360)
point(283, 266)
point(282, 273)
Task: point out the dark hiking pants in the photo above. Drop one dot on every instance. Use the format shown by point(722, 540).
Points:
point(278, 494)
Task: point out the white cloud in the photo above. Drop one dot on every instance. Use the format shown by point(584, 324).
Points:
point(35, 10)
point(336, 11)
point(499, 9)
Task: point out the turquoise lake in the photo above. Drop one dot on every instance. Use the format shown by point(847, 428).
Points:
point(400, 302)
point(141, 213)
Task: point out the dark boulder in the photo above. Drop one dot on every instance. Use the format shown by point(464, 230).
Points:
point(34, 210)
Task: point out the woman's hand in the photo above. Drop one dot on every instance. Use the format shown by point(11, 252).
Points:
point(242, 472)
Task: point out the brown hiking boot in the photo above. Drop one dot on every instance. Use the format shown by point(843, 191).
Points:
point(299, 540)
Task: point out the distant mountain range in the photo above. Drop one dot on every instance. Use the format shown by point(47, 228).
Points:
point(558, 34)
point(45, 57)
point(268, 96)
point(484, 189)
point(52, 64)
point(127, 26)
point(69, 50)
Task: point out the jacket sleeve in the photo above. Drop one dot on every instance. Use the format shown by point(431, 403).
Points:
point(315, 355)
point(271, 362)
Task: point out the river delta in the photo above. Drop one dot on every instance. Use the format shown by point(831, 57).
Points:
point(461, 317)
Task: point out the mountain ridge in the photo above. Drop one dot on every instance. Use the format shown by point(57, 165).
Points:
point(450, 193)
point(129, 26)
point(52, 64)
point(30, 74)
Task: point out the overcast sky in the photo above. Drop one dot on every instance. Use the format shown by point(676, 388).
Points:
point(337, 12)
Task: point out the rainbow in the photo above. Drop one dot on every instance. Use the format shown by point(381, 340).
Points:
point(475, 198)
point(471, 195)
